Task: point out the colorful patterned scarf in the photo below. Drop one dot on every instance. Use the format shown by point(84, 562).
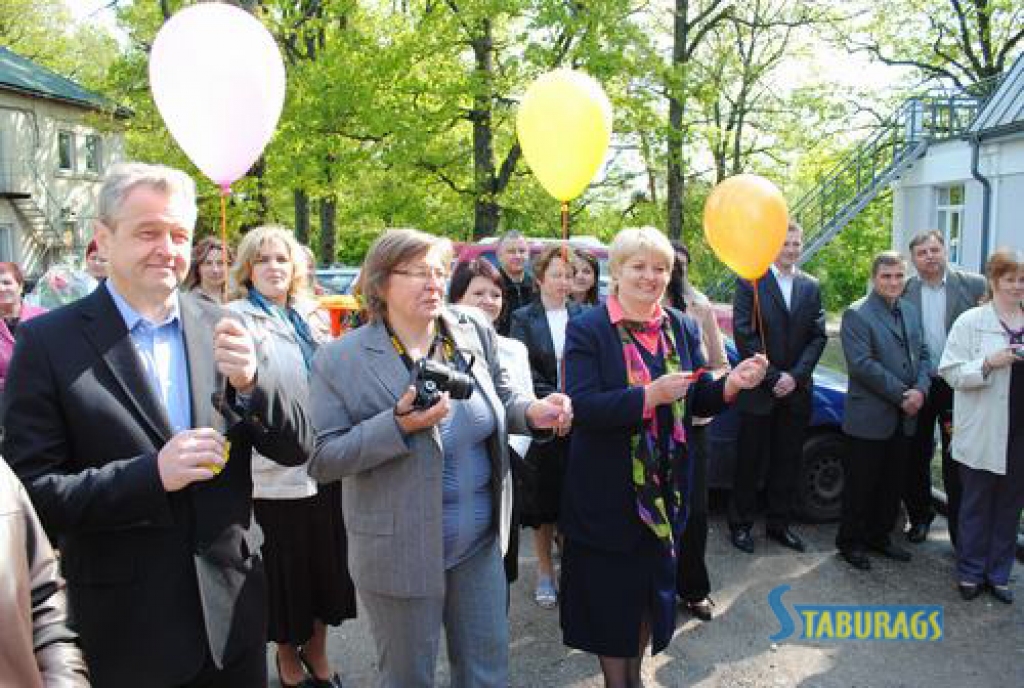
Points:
point(659, 489)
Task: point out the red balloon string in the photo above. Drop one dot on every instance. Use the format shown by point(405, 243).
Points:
point(225, 190)
point(565, 259)
point(760, 322)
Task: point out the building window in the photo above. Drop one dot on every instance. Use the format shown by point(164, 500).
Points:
point(950, 219)
point(66, 151)
point(6, 243)
point(93, 154)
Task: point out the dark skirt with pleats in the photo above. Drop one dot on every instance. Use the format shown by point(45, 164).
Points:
point(305, 553)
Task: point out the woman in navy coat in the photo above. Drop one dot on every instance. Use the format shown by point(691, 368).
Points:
point(634, 372)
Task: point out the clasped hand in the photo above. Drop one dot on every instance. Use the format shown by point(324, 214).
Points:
point(235, 354)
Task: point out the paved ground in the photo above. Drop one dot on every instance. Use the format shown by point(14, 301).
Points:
point(983, 643)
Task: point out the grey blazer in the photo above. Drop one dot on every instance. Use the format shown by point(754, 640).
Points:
point(391, 483)
point(881, 366)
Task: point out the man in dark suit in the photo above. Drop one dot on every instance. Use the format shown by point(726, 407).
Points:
point(518, 285)
point(888, 365)
point(774, 415)
point(941, 294)
point(121, 410)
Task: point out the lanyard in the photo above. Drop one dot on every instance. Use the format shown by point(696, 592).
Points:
point(442, 339)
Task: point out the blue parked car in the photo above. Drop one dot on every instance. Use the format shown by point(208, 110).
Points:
point(820, 489)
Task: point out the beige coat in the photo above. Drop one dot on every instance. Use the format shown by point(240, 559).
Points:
point(36, 647)
point(981, 405)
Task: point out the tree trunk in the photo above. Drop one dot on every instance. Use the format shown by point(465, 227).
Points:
point(259, 170)
point(674, 172)
point(328, 209)
point(301, 215)
point(486, 210)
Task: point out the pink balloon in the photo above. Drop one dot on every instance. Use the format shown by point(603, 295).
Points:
point(218, 80)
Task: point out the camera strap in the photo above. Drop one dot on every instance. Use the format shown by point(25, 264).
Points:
point(440, 339)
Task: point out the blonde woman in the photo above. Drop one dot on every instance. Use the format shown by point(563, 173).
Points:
point(304, 555)
point(633, 371)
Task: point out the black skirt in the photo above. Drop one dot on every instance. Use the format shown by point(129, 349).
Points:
point(305, 553)
point(541, 481)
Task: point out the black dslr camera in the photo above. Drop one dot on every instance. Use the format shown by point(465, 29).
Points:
point(431, 378)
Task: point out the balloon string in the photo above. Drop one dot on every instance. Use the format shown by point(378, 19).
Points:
point(760, 323)
point(565, 259)
point(224, 191)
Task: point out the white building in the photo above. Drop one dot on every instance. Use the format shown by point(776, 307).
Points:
point(970, 187)
point(56, 141)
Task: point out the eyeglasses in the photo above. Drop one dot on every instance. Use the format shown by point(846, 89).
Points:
point(424, 274)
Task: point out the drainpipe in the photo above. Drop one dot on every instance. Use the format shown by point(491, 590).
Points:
point(986, 197)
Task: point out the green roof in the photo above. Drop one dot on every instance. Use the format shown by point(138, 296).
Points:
point(21, 74)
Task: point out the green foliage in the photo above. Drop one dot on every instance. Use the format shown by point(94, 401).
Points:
point(382, 99)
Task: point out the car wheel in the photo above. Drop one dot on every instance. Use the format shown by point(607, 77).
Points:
point(820, 487)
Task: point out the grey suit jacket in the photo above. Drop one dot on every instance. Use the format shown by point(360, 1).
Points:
point(963, 291)
point(391, 483)
point(882, 364)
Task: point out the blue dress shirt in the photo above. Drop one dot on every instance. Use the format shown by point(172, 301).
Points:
point(161, 350)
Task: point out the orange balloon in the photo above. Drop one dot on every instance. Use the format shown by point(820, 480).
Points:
point(745, 220)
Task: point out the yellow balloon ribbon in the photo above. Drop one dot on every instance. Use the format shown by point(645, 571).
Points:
point(564, 126)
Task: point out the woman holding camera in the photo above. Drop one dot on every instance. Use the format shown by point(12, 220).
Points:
point(425, 475)
point(984, 364)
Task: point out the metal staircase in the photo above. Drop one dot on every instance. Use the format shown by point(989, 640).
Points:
point(26, 190)
point(869, 169)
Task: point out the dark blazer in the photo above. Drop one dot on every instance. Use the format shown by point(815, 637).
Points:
point(794, 337)
point(516, 295)
point(157, 581)
point(963, 291)
point(598, 498)
point(530, 326)
point(882, 364)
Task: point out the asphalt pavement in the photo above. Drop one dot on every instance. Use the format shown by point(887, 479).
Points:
point(982, 643)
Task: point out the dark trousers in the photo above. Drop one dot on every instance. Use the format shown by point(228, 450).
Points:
point(917, 483)
point(777, 438)
point(873, 475)
point(692, 581)
point(989, 517)
point(247, 671)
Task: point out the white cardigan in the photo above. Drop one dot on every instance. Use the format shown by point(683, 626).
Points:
point(516, 359)
point(981, 405)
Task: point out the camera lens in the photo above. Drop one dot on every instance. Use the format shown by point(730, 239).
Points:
point(460, 385)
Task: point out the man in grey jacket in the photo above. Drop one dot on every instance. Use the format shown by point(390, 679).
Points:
point(941, 293)
point(888, 365)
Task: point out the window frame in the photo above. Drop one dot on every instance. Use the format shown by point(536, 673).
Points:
point(95, 156)
point(70, 167)
point(949, 218)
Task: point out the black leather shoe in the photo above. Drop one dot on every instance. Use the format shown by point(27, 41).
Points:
point(891, 551)
point(856, 558)
point(742, 540)
point(969, 591)
point(701, 608)
point(1001, 593)
point(786, 537)
point(918, 532)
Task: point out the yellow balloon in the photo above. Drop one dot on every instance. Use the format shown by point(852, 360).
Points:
point(564, 126)
point(745, 220)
